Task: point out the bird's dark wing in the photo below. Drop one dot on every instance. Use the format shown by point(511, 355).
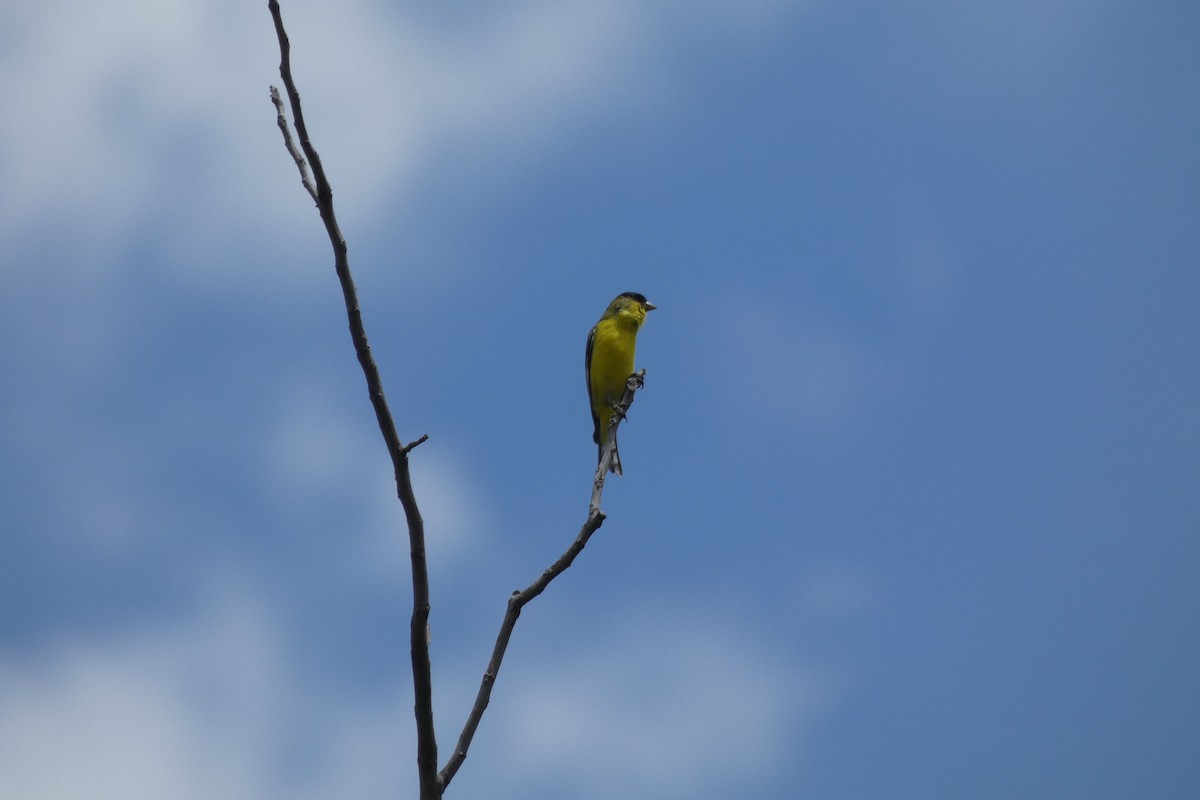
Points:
point(587, 369)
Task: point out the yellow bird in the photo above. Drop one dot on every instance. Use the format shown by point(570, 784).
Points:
point(609, 363)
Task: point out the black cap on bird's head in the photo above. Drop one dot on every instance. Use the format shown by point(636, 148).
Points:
point(641, 298)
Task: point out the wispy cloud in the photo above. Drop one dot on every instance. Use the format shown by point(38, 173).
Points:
point(319, 455)
point(662, 703)
point(155, 114)
point(206, 706)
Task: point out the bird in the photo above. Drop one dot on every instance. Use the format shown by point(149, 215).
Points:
point(609, 363)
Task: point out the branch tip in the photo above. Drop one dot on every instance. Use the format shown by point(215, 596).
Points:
point(424, 438)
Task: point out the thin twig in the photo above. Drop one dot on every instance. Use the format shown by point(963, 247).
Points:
point(608, 452)
point(411, 445)
point(290, 144)
point(515, 603)
point(419, 627)
point(518, 599)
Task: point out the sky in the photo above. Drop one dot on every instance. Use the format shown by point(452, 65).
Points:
point(910, 505)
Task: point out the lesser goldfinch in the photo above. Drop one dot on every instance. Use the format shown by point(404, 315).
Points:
point(609, 362)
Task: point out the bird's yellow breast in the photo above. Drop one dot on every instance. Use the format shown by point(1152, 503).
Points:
point(612, 360)
point(612, 364)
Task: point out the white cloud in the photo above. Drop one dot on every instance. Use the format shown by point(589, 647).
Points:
point(102, 91)
point(206, 707)
point(140, 116)
point(662, 704)
point(324, 452)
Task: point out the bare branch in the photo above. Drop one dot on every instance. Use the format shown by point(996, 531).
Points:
point(322, 192)
point(297, 156)
point(518, 599)
point(607, 453)
point(515, 603)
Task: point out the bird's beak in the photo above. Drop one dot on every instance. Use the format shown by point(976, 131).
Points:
point(649, 306)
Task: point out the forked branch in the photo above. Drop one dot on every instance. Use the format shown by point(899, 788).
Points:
point(432, 782)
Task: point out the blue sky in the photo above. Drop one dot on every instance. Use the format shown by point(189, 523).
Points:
point(910, 505)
